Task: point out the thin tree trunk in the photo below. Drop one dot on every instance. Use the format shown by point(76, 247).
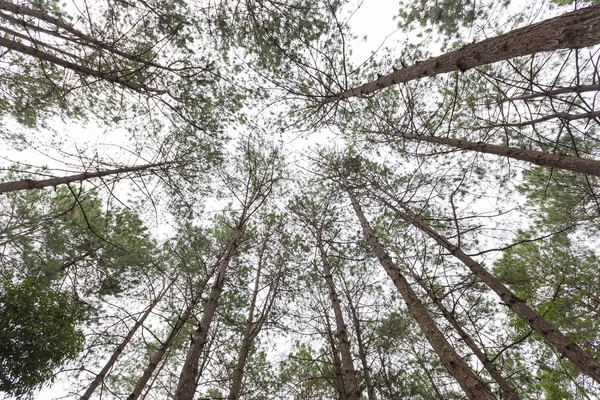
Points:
point(348, 371)
point(472, 384)
point(80, 69)
point(25, 184)
point(556, 92)
point(573, 30)
point(337, 362)
point(588, 364)
point(559, 161)
point(161, 351)
point(113, 359)
point(507, 389)
point(252, 327)
point(186, 388)
point(362, 353)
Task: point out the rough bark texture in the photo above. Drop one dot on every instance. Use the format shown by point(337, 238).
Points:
point(473, 386)
point(507, 390)
point(350, 381)
point(25, 184)
point(161, 351)
point(574, 30)
point(115, 356)
point(588, 364)
point(560, 161)
point(186, 388)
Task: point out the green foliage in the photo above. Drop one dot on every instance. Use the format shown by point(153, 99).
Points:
point(561, 199)
point(38, 333)
point(57, 233)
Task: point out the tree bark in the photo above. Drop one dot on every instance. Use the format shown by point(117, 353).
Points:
point(113, 359)
point(80, 69)
point(586, 363)
point(186, 388)
point(560, 161)
point(25, 184)
point(472, 385)
point(506, 388)
point(573, 30)
point(348, 371)
point(362, 352)
point(161, 351)
point(252, 327)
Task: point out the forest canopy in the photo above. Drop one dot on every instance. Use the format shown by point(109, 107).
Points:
point(254, 200)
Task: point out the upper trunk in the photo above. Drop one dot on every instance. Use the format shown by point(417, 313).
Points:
point(574, 30)
point(473, 386)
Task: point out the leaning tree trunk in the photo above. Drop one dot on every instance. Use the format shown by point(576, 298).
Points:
point(472, 384)
point(507, 389)
point(115, 356)
point(588, 364)
point(253, 327)
point(164, 347)
point(573, 30)
point(25, 184)
point(362, 352)
point(186, 388)
point(348, 371)
point(560, 161)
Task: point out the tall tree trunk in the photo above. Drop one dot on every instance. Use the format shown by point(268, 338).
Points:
point(186, 388)
point(164, 347)
point(362, 352)
point(252, 327)
point(348, 371)
point(588, 364)
point(25, 184)
point(560, 161)
point(337, 362)
point(472, 384)
point(113, 359)
point(573, 30)
point(506, 388)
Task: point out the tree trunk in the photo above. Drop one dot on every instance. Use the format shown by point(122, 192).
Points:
point(337, 362)
point(252, 327)
point(348, 371)
point(113, 359)
point(161, 351)
point(588, 364)
point(473, 386)
point(560, 161)
point(186, 388)
point(507, 389)
point(362, 353)
point(573, 30)
point(25, 184)
point(80, 69)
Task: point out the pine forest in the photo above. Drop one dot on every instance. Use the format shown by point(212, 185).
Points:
point(295, 199)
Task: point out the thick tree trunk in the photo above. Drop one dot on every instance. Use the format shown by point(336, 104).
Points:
point(25, 184)
point(560, 161)
point(115, 356)
point(507, 390)
point(348, 371)
point(473, 386)
point(588, 364)
point(573, 30)
point(164, 347)
point(186, 388)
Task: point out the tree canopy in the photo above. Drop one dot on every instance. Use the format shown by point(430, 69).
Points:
point(250, 200)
